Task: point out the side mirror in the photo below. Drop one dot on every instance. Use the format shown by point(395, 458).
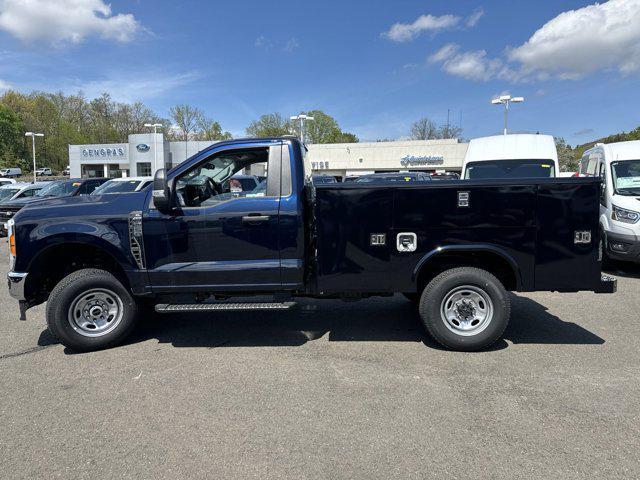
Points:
point(161, 191)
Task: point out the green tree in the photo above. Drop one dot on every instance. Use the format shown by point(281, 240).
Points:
point(269, 125)
point(186, 118)
point(566, 156)
point(323, 129)
point(211, 130)
point(11, 133)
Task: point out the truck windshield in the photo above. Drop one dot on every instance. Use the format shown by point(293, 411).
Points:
point(119, 186)
point(6, 193)
point(626, 177)
point(59, 189)
point(510, 169)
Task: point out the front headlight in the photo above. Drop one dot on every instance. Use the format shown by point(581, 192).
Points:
point(11, 235)
point(624, 215)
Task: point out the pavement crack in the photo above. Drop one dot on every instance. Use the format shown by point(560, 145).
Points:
point(25, 352)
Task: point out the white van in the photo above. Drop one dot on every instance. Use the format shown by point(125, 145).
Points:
point(619, 166)
point(511, 156)
point(10, 172)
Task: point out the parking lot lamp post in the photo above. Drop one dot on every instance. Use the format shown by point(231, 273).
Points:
point(303, 118)
point(155, 127)
point(33, 149)
point(506, 100)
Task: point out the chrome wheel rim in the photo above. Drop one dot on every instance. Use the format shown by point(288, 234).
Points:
point(96, 312)
point(466, 310)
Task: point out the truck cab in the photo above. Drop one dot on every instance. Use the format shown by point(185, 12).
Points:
point(618, 165)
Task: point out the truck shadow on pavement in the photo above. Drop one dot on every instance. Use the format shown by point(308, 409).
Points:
point(623, 269)
point(376, 320)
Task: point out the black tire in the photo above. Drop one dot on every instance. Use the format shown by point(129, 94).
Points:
point(74, 289)
point(605, 259)
point(491, 295)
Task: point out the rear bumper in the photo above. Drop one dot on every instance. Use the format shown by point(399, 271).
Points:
point(16, 285)
point(607, 284)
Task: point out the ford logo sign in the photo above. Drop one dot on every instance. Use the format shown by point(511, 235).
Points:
point(143, 147)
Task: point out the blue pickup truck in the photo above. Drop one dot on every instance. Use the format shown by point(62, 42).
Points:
point(183, 244)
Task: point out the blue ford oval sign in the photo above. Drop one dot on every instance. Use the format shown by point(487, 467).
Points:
point(143, 147)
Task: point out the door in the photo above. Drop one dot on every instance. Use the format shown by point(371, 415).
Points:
point(214, 239)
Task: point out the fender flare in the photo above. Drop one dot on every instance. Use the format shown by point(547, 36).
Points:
point(117, 252)
point(485, 248)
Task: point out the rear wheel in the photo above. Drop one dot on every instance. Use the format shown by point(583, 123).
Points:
point(90, 309)
point(465, 308)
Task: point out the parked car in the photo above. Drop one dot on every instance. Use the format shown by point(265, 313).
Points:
point(123, 185)
point(95, 259)
point(320, 178)
point(618, 165)
point(10, 172)
point(511, 156)
point(66, 172)
point(16, 190)
point(60, 188)
point(445, 176)
point(6, 181)
point(16, 193)
point(407, 177)
point(44, 172)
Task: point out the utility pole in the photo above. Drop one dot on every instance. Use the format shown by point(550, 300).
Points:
point(506, 100)
point(33, 149)
point(302, 118)
point(155, 127)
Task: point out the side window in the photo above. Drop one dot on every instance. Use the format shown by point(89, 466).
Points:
point(584, 162)
point(593, 165)
point(27, 193)
point(210, 182)
point(89, 187)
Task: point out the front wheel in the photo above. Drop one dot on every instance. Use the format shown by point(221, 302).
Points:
point(90, 309)
point(465, 308)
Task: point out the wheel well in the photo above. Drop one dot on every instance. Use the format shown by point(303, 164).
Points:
point(489, 261)
point(58, 261)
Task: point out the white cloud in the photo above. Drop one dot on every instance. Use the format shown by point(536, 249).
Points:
point(579, 42)
point(61, 21)
point(446, 52)
point(291, 45)
point(135, 87)
point(472, 65)
point(475, 17)
point(405, 32)
point(4, 85)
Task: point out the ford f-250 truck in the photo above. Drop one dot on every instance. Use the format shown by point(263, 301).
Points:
point(183, 245)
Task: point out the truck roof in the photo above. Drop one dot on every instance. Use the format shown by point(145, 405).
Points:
point(619, 150)
point(512, 147)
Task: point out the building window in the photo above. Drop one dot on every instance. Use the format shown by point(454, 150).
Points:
point(144, 169)
point(92, 171)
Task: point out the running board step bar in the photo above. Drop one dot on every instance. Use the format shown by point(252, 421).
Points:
point(207, 307)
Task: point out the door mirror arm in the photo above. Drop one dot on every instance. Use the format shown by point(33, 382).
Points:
point(161, 191)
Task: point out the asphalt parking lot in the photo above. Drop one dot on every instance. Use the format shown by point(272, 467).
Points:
point(329, 390)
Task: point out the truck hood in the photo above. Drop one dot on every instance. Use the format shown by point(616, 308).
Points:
point(630, 202)
point(86, 207)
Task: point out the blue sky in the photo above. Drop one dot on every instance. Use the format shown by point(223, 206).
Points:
point(577, 64)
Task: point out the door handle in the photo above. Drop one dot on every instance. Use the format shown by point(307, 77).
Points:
point(255, 218)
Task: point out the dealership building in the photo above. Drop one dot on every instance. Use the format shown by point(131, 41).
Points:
point(145, 153)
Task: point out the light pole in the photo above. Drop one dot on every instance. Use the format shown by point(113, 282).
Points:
point(302, 117)
point(155, 127)
point(506, 100)
point(33, 149)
